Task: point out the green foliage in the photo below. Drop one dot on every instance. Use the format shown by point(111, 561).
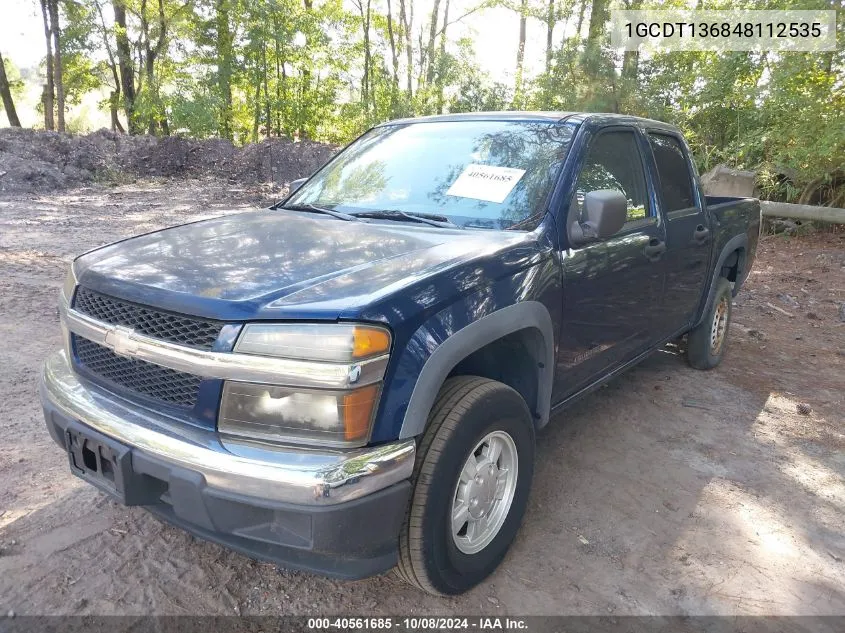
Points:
point(16, 83)
point(80, 72)
point(193, 109)
point(249, 69)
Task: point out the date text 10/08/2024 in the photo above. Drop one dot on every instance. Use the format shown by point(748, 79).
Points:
point(419, 623)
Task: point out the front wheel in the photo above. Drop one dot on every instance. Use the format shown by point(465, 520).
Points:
point(472, 479)
point(707, 341)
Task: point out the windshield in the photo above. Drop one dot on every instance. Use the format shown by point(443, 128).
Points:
point(477, 174)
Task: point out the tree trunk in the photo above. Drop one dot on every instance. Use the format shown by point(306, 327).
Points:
point(257, 118)
point(803, 212)
point(267, 119)
point(520, 55)
point(550, 30)
point(158, 51)
point(581, 12)
point(114, 95)
point(6, 94)
point(47, 94)
point(365, 82)
point(598, 18)
point(157, 122)
point(630, 59)
point(224, 68)
point(281, 99)
point(441, 61)
point(630, 65)
point(281, 78)
point(394, 56)
point(57, 65)
point(432, 38)
point(145, 68)
point(125, 65)
point(407, 23)
point(306, 86)
point(114, 102)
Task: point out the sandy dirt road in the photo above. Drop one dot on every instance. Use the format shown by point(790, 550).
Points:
point(669, 491)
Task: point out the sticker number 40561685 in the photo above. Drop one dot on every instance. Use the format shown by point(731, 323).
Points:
point(485, 182)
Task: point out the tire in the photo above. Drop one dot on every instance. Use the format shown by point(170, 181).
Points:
point(707, 341)
point(468, 410)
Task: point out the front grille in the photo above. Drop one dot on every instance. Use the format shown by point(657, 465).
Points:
point(165, 384)
point(176, 328)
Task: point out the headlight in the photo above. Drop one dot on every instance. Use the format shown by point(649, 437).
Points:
point(69, 285)
point(327, 418)
point(294, 414)
point(335, 342)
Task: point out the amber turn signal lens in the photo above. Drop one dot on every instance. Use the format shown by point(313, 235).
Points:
point(369, 341)
point(357, 415)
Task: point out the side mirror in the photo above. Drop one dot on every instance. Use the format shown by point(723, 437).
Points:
point(296, 184)
point(606, 211)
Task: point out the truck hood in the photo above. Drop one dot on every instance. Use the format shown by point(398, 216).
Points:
point(278, 264)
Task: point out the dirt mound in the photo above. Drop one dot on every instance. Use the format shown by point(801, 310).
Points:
point(32, 161)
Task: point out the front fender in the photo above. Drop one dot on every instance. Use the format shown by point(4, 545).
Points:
point(513, 318)
point(425, 355)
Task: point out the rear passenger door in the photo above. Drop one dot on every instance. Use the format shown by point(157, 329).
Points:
point(612, 289)
point(688, 238)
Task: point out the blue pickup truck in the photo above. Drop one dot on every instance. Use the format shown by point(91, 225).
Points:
point(352, 380)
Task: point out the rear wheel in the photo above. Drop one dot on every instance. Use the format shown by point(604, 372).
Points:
point(472, 479)
point(707, 341)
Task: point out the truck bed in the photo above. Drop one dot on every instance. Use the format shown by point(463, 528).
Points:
point(736, 223)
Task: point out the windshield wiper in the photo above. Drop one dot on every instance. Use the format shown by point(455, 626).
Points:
point(394, 214)
point(313, 208)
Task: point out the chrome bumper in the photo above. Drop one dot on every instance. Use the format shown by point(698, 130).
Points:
point(266, 471)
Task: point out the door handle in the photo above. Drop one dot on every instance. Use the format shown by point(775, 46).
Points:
point(655, 249)
point(701, 234)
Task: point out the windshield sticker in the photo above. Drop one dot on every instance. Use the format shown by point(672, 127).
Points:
point(485, 182)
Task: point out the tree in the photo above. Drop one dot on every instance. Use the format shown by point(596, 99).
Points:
point(156, 117)
point(428, 60)
point(224, 66)
point(55, 29)
point(407, 20)
point(48, 93)
point(114, 95)
point(327, 69)
point(394, 57)
point(520, 55)
point(598, 20)
point(551, 20)
point(6, 94)
point(365, 11)
point(125, 66)
point(442, 61)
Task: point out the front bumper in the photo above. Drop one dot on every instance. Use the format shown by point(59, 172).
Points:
point(330, 511)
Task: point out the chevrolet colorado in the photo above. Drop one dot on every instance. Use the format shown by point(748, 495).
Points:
point(352, 379)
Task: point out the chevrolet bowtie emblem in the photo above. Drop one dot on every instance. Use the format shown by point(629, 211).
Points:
point(121, 340)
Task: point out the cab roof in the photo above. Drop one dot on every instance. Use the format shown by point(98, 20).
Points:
point(601, 118)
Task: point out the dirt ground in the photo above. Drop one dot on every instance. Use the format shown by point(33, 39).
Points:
point(669, 491)
point(35, 161)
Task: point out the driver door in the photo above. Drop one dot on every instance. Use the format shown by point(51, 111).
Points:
point(612, 289)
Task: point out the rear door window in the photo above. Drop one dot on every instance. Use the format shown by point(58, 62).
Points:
point(674, 173)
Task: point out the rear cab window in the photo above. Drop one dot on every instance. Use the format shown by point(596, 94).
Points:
point(674, 178)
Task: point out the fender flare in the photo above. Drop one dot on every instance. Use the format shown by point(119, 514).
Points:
point(735, 243)
point(507, 320)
